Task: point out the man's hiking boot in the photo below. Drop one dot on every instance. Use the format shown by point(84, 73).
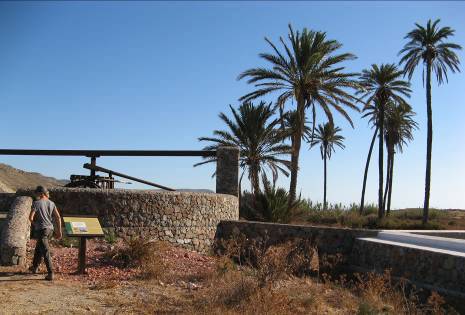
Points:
point(34, 270)
point(49, 277)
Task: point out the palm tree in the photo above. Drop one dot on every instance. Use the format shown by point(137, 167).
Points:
point(428, 44)
point(399, 127)
point(371, 111)
point(253, 130)
point(290, 126)
point(327, 137)
point(310, 72)
point(382, 84)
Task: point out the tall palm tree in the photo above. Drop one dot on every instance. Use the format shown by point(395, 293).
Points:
point(290, 126)
point(370, 111)
point(399, 131)
point(309, 72)
point(382, 84)
point(428, 45)
point(259, 139)
point(328, 138)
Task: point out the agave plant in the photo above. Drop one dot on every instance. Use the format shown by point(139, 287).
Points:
point(271, 205)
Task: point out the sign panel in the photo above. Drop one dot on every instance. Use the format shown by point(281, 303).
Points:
point(82, 226)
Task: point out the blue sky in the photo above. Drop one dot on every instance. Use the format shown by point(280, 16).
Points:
point(154, 75)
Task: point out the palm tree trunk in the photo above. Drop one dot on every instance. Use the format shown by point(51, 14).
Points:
point(296, 144)
point(240, 193)
point(324, 184)
point(380, 160)
point(294, 169)
point(365, 175)
point(391, 174)
point(429, 144)
point(388, 172)
point(255, 180)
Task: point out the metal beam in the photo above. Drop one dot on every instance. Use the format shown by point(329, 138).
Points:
point(98, 153)
point(104, 170)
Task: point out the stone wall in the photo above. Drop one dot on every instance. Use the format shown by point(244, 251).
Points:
point(227, 170)
point(185, 218)
point(330, 240)
point(15, 233)
point(435, 269)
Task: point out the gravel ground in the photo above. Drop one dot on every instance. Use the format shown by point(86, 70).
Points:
point(106, 289)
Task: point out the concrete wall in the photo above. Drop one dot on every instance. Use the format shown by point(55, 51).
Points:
point(185, 218)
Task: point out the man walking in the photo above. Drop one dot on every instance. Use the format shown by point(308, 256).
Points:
point(41, 217)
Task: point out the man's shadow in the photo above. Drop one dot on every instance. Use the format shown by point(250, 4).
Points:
point(10, 276)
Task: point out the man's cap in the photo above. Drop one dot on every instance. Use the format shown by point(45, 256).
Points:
point(41, 190)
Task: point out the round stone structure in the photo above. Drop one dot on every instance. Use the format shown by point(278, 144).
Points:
point(189, 219)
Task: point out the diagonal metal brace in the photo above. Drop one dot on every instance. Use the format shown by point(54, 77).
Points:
point(104, 170)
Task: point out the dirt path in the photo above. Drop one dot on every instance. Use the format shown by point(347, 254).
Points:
point(30, 294)
point(105, 289)
point(23, 293)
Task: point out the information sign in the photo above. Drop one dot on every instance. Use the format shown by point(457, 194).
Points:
point(82, 226)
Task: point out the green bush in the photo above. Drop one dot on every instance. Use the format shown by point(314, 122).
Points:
point(110, 236)
point(271, 205)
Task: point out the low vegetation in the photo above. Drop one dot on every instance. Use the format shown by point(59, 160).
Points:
point(271, 206)
point(241, 276)
point(250, 278)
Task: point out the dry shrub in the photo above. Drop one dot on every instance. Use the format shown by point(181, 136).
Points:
point(302, 257)
point(379, 294)
point(128, 254)
point(223, 265)
point(373, 286)
point(293, 258)
point(435, 303)
point(268, 301)
point(332, 266)
point(143, 254)
point(153, 266)
point(272, 262)
point(233, 291)
point(247, 276)
point(234, 288)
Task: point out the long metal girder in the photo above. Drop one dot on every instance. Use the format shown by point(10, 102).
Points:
point(98, 153)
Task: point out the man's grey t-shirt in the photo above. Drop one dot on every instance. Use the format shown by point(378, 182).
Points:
point(44, 214)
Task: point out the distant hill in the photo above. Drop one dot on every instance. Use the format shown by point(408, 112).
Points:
point(195, 190)
point(12, 179)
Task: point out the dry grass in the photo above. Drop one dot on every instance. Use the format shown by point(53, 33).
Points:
point(403, 219)
point(253, 278)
